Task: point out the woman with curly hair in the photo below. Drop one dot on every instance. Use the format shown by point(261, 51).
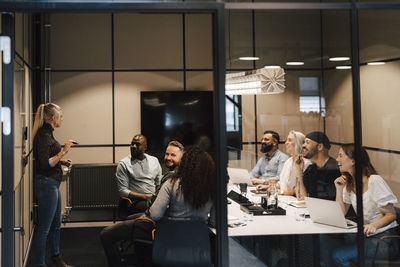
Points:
point(187, 194)
point(190, 192)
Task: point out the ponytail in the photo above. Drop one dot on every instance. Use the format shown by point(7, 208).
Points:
point(43, 114)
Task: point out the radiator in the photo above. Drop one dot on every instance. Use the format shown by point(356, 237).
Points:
point(92, 186)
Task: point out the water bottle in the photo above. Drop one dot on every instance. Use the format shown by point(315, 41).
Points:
point(272, 194)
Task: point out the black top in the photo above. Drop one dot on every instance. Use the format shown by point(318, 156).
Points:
point(319, 182)
point(44, 148)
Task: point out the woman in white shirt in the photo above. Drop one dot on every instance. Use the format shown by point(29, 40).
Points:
point(379, 213)
point(287, 179)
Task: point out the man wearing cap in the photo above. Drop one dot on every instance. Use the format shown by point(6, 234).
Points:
point(270, 166)
point(318, 179)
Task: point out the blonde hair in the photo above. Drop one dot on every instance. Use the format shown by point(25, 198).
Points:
point(299, 139)
point(44, 114)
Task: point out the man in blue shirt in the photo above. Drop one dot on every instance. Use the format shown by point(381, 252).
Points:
point(270, 166)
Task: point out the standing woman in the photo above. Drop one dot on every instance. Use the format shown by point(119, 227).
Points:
point(379, 213)
point(48, 156)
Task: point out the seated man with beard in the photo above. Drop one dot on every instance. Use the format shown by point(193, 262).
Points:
point(318, 179)
point(270, 166)
point(172, 159)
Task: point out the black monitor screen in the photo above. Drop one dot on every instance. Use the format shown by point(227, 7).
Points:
point(187, 117)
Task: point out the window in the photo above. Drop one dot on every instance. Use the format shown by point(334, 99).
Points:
point(310, 99)
point(232, 113)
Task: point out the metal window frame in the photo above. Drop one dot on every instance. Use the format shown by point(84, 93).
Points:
point(110, 6)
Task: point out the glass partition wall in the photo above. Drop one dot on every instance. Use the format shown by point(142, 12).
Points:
point(96, 65)
point(104, 80)
point(314, 48)
point(103, 68)
point(132, 61)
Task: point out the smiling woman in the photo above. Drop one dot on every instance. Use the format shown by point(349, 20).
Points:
point(379, 213)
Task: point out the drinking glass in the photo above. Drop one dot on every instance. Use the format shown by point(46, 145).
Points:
point(243, 189)
point(272, 198)
point(248, 216)
point(300, 216)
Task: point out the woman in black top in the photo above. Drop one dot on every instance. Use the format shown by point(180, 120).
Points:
point(48, 156)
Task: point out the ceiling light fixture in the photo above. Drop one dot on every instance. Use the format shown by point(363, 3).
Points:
point(376, 63)
point(343, 67)
point(272, 67)
point(260, 81)
point(295, 63)
point(249, 58)
point(339, 58)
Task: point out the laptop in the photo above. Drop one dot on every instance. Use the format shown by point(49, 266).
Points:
point(238, 175)
point(327, 212)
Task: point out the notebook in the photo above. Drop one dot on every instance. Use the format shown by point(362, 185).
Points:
point(238, 175)
point(327, 212)
point(297, 203)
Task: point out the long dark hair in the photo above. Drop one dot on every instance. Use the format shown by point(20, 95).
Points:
point(196, 177)
point(366, 166)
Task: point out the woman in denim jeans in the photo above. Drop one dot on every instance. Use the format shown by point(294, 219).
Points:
point(379, 213)
point(48, 174)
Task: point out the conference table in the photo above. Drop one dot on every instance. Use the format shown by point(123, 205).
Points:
point(257, 234)
point(289, 224)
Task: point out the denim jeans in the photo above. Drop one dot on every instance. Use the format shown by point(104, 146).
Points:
point(48, 194)
point(348, 253)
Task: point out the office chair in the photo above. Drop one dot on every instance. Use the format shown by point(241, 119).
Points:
point(394, 260)
point(137, 250)
point(182, 243)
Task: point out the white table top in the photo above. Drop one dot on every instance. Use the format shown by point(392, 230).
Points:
point(276, 224)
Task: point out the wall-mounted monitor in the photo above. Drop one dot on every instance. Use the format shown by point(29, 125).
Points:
point(185, 116)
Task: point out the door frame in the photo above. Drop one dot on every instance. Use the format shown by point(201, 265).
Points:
point(109, 6)
point(7, 150)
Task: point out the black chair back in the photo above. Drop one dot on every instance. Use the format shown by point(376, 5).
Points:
point(182, 242)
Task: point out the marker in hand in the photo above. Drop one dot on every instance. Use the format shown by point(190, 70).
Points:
point(75, 143)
